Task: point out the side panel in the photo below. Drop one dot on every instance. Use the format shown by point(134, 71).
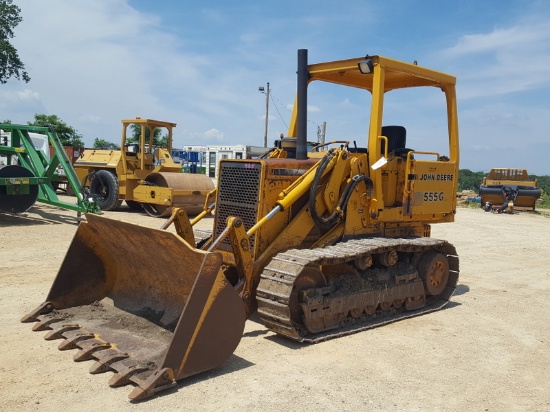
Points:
point(98, 158)
point(430, 194)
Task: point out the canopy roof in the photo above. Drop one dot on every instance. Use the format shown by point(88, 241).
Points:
point(397, 74)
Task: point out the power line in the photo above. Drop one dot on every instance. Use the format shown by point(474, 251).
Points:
point(273, 98)
point(276, 108)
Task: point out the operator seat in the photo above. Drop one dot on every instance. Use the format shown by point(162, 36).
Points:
point(132, 149)
point(397, 138)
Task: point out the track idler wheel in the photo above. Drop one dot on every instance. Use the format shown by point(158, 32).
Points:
point(18, 201)
point(309, 278)
point(434, 271)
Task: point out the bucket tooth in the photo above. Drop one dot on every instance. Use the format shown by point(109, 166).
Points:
point(44, 308)
point(86, 354)
point(105, 358)
point(58, 333)
point(124, 373)
point(45, 324)
point(110, 355)
point(72, 341)
point(160, 380)
point(98, 368)
point(118, 380)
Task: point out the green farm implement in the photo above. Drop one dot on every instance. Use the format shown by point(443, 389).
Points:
point(28, 175)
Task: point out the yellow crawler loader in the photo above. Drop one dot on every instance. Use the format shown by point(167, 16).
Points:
point(319, 243)
point(145, 177)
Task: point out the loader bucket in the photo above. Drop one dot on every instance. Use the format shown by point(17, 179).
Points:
point(143, 304)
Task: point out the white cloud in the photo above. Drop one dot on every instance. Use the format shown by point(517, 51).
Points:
point(97, 62)
point(18, 96)
point(90, 118)
point(503, 61)
point(346, 102)
point(511, 40)
point(94, 62)
point(214, 134)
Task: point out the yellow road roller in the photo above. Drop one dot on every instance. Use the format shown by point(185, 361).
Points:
point(144, 176)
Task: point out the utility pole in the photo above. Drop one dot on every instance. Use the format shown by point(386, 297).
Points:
point(321, 130)
point(266, 92)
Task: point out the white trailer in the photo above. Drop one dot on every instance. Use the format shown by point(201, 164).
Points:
point(211, 155)
point(40, 142)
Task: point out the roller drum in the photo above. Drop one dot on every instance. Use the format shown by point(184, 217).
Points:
point(526, 196)
point(16, 202)
point(192, 203)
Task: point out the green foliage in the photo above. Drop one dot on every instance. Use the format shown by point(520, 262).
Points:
point(6, 122)
point(158, 140)
point(544, 202)
point(162, 142)
point(468, 180)
point(543, 182)
point(10, 64)
point(67, 134)
point(104, 144)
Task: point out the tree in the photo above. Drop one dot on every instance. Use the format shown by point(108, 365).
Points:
point(10, 64)
point(104, 144)
point(163, 141)
point(468, 180)
point(543, 182)
point(67, 134)
point(158, 140)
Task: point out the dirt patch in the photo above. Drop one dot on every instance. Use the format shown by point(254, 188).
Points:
point(487, 350)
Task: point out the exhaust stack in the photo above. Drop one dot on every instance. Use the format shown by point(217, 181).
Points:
point(301, 144)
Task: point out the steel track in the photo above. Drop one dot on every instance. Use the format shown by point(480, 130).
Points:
point(278, 278)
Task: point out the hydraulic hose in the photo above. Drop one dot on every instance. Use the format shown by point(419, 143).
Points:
point(335, 217)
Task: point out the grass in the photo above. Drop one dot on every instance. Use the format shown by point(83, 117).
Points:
point(544, 202)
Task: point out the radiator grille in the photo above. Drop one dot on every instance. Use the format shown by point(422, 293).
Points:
point(239, 186)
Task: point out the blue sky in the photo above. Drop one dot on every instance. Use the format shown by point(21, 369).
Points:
point(199, 64)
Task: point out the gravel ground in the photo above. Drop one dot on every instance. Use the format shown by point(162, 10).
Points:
point(488, 350)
